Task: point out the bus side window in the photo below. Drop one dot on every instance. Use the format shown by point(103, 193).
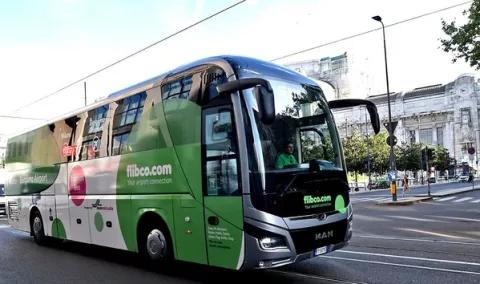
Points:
point(220, 152)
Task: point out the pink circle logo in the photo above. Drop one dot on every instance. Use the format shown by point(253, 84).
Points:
point(78, 185)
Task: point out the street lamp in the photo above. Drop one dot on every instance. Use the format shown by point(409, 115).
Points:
point(390, 129)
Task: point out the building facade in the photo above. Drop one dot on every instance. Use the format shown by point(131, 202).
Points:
point(444, 114)
point(341, 72)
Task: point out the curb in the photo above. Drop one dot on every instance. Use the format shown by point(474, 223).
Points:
point(404, 202)
point(449, 194)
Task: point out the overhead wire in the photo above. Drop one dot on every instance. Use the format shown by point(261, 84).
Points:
point(20, 117)
point(370, 31)
point(133, 54)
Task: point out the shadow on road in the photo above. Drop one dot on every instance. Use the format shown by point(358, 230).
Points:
point(177, 269)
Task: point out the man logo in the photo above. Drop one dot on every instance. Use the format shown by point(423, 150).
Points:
point(323, 235)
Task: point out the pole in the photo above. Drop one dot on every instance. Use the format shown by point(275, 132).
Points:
point(85, 90)
point(368, 150)
point(390, 129)
point(428, 170)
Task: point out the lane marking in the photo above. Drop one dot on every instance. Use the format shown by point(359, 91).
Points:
point(413, 258)
point(433, 233)
point(404, 265)
point(415, 219)
point(458, 218)
point(446, 198)
point(415, 240)
point(476, 201)
point(314, 277)
point(463, 199)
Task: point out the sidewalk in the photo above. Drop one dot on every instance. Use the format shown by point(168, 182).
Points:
point(417, 198)
point(400, 187)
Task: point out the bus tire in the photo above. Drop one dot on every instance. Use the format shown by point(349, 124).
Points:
point(36, 225)
point(154, 243)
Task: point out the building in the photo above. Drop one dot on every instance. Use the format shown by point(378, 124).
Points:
point(443, 114)
point(341, 72)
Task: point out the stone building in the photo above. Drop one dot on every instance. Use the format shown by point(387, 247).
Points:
point(443, 114)
point(341, 72)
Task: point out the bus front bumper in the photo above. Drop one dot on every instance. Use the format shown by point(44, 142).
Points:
point(297, 245)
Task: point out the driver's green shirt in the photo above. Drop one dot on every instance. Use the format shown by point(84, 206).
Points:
point(285, 160)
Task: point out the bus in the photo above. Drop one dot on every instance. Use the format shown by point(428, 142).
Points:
point(227, 161)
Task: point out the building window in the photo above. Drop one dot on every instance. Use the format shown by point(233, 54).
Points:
point(440, 136)
point(426, 136)
point(412, 137)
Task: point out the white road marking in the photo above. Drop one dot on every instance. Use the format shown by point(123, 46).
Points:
point(412, 258)
point(434, 234)
point(403, 265)
point(415, 219)
point(447, 198)
point(313, 277)
point(459, 218)
point(463, 199)
point(396, 238)
point(476, 201)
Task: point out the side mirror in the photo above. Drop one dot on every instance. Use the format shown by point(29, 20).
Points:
point(371, 108)
point(263, 93)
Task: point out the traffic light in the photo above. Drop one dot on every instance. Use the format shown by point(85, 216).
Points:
point(431, 154)
point(423, 157)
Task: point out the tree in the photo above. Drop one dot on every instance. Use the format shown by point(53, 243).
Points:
point(442, 160)
point(379, 152)
point(355, 150)
point(313, 150)
point(408, 157)
point(464, 41)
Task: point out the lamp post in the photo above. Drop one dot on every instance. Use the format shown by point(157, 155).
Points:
point(390, 130)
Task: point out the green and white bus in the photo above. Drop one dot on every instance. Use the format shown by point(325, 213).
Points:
point(228, 161)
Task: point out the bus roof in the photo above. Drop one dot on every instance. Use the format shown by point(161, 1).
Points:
point(240, 63)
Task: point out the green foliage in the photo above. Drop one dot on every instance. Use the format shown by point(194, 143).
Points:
point(379, 152)
point(312, 150)
point(355, 150)
point(442, 160)
point(463, 41)
point(408, 157)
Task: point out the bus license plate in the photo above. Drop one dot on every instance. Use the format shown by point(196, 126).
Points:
point(320, 251)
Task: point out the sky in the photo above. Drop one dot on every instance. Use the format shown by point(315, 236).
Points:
point(46, 45)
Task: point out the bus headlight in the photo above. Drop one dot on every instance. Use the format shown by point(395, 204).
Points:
point(269, 243)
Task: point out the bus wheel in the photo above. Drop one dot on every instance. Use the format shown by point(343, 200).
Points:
point(38, 229)
point(155, 245)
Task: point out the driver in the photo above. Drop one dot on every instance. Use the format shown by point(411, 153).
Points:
point(287, 158)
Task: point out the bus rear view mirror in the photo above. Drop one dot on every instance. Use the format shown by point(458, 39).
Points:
point(263, 93)
point(371, 108)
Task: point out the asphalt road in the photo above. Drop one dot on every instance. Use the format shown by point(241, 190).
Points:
point(432, 242)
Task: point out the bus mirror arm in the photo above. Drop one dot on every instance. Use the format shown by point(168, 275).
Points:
point(371, 108)
point(263, 93)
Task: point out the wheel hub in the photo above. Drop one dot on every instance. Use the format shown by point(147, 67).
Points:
point(37, 226)
point(156, 244)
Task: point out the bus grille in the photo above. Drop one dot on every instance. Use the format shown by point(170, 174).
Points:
point(306, 240)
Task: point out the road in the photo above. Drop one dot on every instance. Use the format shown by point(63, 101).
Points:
point(432, 242)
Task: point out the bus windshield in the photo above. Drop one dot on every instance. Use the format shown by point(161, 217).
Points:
point(304, 133)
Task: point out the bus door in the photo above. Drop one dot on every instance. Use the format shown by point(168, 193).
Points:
point(222, 187)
